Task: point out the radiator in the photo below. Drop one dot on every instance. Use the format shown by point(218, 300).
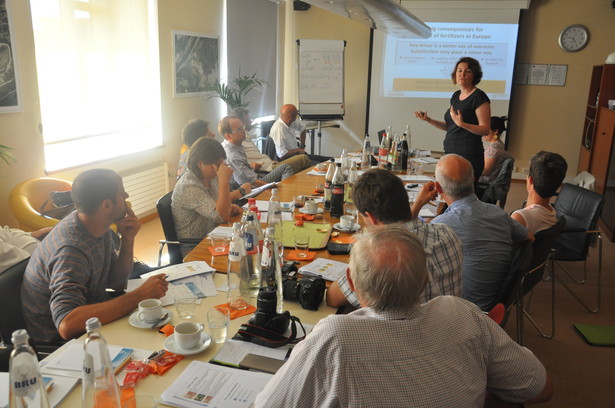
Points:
point(145, 185)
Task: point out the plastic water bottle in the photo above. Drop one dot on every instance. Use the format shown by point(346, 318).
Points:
point(251, 238)
point(274, 219)
point(337, 193)
point(237, 273)
point(100, 388)
point(26, 384)
point(271, 275)
point(366, 157)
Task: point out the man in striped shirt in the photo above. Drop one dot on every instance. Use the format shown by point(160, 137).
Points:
point(396, 352)
point(381, 198)
point(66, 279)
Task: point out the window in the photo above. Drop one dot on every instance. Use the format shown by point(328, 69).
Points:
point(98, 78)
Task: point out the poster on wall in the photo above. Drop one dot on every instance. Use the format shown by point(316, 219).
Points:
point(10, 95)
point(196, 63)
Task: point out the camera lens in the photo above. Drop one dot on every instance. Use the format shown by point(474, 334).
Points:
point(266, 301)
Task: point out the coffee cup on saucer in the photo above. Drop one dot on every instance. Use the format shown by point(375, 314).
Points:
point(347, 222)
point(188, 334)
point(321, 166)
point(150, 310)
point(311, 206)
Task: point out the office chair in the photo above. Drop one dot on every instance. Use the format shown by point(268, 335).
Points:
point(11, 318)
point(581, 208)
point(168, 227)
point(497, 191)
point(269, 149)
point(27, 198)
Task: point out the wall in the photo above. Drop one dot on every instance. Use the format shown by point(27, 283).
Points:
point(20, 130)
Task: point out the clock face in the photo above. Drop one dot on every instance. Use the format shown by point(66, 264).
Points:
point(574, 38)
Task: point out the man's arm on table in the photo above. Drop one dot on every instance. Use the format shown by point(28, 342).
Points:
point(335, 297)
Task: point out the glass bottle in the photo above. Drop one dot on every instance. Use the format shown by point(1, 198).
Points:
point(100, 389)
point(271, 275)
point(366, 156)
point(393, 153)
point(337, 193)
point(345, 161)
point(253, 254)
point(383, 152)
point(328, 179)
point(237, 272)
point(353, 175)
point(26, 384)
point(274, 219)
point(405, 149)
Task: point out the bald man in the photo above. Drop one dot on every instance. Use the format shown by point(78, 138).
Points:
point(485, 230)
point(284, 133)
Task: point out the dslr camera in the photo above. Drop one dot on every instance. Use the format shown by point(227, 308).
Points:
point(308, 290)
point(265, 315)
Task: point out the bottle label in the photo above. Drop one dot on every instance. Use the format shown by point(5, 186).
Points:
point(266, 257)
point(338, 190)
point(251, 247)
point(237, 249)
point(88, 369)
point(24, 379)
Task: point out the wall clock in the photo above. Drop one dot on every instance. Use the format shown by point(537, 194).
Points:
point(574, 38)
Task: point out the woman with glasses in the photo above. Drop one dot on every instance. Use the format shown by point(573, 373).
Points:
point(202, 198)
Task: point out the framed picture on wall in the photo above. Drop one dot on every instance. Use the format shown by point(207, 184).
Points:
point(10, 94)
point(196, 62)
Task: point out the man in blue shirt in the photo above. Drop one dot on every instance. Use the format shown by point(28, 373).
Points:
point(485, 230)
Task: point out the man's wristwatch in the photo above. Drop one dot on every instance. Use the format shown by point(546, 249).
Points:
point(242, 191)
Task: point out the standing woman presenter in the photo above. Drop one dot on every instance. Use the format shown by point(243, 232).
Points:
point(467, 119)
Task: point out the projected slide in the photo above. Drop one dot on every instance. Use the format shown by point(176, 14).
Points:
point(422, 68)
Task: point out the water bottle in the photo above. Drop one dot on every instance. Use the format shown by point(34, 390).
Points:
point(383, 152)
point(26, 385)
point(237, 272)
point(366, 157)
point(393, 153)
point(100, 389)
point(337, 193)
point(274, 219)
point(353, 176)
point(328, 180)
point(271, 275)
point(345, 161)
point(253, 254)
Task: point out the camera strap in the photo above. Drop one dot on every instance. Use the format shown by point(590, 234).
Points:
point(268, 338)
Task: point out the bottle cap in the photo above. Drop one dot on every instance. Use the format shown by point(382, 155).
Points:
point(251, 201)
point(92, 324)
point(19, 336)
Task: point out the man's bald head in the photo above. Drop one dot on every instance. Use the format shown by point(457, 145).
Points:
point(288, 113)
point(455, 176)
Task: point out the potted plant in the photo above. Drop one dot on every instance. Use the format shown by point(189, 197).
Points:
point(6, 155)
point(235, 91)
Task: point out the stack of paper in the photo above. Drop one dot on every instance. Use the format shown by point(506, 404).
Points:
point(329, 270)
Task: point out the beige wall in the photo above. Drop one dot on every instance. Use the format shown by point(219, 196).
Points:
point(20, 130)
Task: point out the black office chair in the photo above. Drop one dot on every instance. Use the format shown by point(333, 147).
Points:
point(497, 191)
point(11, 318)
point(581, 208)
point(269, 149)
point(168, 227)
point(542, 258)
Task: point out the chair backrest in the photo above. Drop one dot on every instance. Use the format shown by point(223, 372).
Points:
point(519, 265)
point(269, 149)
point(168, 227)
point(541, 248)
point(27, 198)
point(11, 317)
point(497, 191)
point(581, 208)
point(585, 180)
point(266, 127)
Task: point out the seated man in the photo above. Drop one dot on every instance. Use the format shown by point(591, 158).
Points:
point(259, 161)
point(234, 134)
point(66, 279)
point(485, 230)
point(395, 352)
point(381, 198)
point(547, 171)
point(193, 130)
point(17, 245)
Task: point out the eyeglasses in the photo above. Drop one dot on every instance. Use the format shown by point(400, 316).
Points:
point(239, 129)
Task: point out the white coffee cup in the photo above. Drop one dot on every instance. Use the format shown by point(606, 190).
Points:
point(150, 310)
point(188, 334)
point(311, 206)
point(347, 222)
point(321, 166)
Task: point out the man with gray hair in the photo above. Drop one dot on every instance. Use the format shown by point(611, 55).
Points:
point(485, 230)
point(396, 352)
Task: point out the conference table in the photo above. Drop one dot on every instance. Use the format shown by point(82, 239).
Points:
point(121, 333)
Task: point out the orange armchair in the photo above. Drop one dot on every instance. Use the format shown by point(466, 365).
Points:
point(27, 198)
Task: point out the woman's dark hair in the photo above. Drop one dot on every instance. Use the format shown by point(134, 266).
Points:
point(499, 123)
point(205, 150)
point(474, 66)
point(193, 130)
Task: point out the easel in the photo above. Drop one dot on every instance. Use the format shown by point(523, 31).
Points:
point(319, 120)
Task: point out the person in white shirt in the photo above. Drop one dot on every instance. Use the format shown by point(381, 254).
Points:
point(547, 171)
point(284, 133)
point(17, 245)
point(395, 352)
point(260, 161)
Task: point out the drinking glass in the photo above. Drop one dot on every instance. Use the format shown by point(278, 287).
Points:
point(218, 321)
point(352, 210)
point(185, 307)
point(302, 243)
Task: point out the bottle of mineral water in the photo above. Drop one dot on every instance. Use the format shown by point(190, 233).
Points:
point(100, 389)
point(253, 254)
point(26, 384)
point(366, 157)
point(271, 275)
point(238, 272)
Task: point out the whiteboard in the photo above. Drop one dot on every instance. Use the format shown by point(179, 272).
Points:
point(321, 77)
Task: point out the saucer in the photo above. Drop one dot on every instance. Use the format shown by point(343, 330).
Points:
point(339, 227)
point(171, 345)
point(305, 211)
point(140, 324)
